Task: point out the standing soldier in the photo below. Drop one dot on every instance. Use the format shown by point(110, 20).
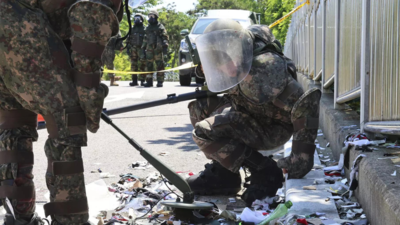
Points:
point(135, 51)
point(37, 77)
point(109, 56)
point(156, 44)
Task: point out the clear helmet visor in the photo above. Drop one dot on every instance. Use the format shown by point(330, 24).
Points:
point(136, 3)
point(226, 57)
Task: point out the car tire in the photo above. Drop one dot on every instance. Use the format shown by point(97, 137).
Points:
point(200, 81)
point(185, 80)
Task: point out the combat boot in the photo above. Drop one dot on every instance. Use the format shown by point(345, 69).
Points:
point(112, 82)
point(35, 220)
point(159, 83)
point(215, 180)
point(265, 179)
point(134, 81)
point(142, 83)
point(149, 83)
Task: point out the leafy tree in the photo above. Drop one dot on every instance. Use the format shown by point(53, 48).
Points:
point(174, 22)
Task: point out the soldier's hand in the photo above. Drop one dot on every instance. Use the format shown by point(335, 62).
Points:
point(296, 165)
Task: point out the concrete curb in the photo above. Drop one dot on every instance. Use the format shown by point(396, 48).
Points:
point(378, 191)
point(306, 202)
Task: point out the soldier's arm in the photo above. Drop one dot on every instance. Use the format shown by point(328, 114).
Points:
point(164, 36)
point(144, 41)
point(305, 116)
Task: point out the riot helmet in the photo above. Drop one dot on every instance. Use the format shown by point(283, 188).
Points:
point(226, 53)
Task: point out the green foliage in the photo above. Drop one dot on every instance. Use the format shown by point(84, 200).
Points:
point(174, 22)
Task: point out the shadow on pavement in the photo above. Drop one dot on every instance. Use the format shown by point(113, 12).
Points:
point(185, 138)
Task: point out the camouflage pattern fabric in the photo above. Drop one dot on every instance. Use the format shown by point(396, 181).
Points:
point(32, 78)
point(155, 40)
point(109, 53)
point(97, 29)
point(261, 115)
point(134, 43)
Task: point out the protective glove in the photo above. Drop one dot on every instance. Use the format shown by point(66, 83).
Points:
point(300, 161)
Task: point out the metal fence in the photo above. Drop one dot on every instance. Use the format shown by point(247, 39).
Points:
point(360, 41)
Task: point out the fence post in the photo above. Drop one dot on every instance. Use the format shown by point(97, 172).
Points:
point(365, 64)
point(315, 39)
point(323, 44)
point(337, 47)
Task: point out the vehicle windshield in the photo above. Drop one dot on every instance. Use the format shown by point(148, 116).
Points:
point(203, 23)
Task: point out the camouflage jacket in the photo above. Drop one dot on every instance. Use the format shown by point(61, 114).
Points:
point(155, 35)
point(136, 36)
point(113, 44)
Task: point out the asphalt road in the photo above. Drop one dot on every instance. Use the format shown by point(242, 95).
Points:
point(160, 129)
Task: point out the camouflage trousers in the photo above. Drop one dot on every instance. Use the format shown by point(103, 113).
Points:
point(108, 59)
point(154, 54)
point(224, 134)
point(31, 83)
point(136, 54)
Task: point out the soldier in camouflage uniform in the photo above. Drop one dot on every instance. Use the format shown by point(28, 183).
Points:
point(109, 55)
point(39, 42)
point(135, 52)
point(156, 45)
point(264, 106)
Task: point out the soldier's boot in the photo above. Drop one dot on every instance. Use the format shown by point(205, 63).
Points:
point(112, 82)
point(265, 180)
point(149, 82)
point(215, 180)
point(134, 81)
point(117, 78)
point(142, 83)
point(35, 220)
point(159, 84)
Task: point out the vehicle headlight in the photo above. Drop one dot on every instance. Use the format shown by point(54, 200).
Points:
point(184, 46)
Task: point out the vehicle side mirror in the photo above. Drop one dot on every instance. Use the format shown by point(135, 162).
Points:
point(184, 32)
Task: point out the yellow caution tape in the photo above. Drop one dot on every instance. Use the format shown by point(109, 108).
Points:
point(181, 67)
point(287, 15)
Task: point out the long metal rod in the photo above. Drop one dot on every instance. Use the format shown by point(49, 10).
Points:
point(349, 96)
point(323, 73)
point(173, 177)
point(383, 127)
point(330, 81)
point(172, 98)
point(337, 54)
point(365, 64)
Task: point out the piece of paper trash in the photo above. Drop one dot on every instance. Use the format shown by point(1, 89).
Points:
point(344, 181)
point(309, 187)
point(10, 207)
point(321, 155)
point(338, 167)
point(320, 214)
point(325, 160)
point(326, 157)
point(251, 216)
point(163, 153)
point(396, 160)
point(321, 134)
point(323, 218)
point(232, 200)
point(329, 144)
point(394, 173)
point(106, 175)
point(336, 197)
point(393, 157)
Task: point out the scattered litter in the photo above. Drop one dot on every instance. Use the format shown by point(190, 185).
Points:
point(319, 181)
point(344, 181)
point(397, 165)
point(338, 167)
point(323, 149)
point(359, 211)
point(363, 216)
point(309, 188)
point(320, 134)
point(251, 216)
point(394, 173)
point(323, 218)
point(106, 175)
point(232, 200)
point(325, 160)
point(397, 160)
point(354, 170)
point(318, 167)
point(336, 197)
point(321, 155)
point(320, 214)
point(163, 153)
point(326, 157)
point(350, 215)
point(393, 157)
point(328, 144)
point(140, 165)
